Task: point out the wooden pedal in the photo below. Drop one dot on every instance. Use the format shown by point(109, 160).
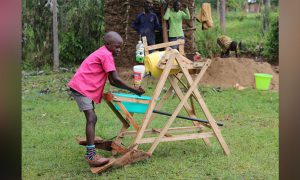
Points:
point(82, 140)
point(100, 169)
point(131, 157)
point(99, 143)
point(126, 159)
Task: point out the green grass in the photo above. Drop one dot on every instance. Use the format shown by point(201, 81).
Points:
point(248, 29)
point(52, 121)
point(240, 26)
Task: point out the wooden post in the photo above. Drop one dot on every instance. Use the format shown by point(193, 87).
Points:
point(199, 98)
point(155, 97)
point(55, 38)
point(177, 110)
point(145, 45)
point(164, 25)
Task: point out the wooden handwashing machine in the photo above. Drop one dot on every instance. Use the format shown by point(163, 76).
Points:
point(173, 67)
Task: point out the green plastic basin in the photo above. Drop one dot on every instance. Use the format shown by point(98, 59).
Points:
point(132, 106)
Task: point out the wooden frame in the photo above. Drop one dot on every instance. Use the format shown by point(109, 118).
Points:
point(132, 154)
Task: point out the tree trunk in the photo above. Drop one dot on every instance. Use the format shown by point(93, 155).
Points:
point(55, 38)
point(218, 7)
point(266, 15)
point(164, 25)
point(222, 16)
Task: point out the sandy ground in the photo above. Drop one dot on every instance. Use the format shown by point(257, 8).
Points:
point(227, 72)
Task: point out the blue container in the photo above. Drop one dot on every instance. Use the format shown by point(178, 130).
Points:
point(132, 106)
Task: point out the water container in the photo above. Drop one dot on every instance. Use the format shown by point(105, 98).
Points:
point(138, 72)
point(151, 61)
point(139, 57)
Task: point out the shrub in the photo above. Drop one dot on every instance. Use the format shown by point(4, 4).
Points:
point(271, 46)
point(207, 42)
point(251, 48)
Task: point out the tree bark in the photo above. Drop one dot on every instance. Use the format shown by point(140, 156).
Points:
point(164, 25)
point(55, 38)
point(218, 7)
point(266, 15)
point(222, 15)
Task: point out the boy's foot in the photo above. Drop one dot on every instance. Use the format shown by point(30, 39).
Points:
point(97, 161)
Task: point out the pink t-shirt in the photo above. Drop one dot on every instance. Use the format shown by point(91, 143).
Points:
point(90, 78)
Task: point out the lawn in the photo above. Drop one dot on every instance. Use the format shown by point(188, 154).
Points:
point(51, 121)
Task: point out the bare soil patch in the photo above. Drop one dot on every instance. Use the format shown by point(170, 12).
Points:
point(227, 72)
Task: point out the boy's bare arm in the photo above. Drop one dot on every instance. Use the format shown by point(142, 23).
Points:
point(116, 81)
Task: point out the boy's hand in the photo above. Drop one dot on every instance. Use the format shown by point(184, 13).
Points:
point(139, 91)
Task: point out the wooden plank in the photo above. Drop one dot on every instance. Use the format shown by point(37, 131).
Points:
point(164, 45)
point(160, 104)
point(178, 108)
point(170, 130)
point(165, 57)
point(187, 106)
point(100, 169)
point(146, 49)
point(158, 131)
point(181, 49)
point(131, 157)
point(183, 84)
point(186, 60)
point(82, 140)
point(105, 145)
point(118, 114)
point(119, 138)
point(200, 100)
point(128, 115)
point(162, 66)
point(124, 99)
point(178, 137)
point(118, 147)
point(99, 143)
point(154, 99)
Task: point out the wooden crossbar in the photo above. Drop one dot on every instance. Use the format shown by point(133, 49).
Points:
point(177, 138)
point(179, 42)
point(170, 130)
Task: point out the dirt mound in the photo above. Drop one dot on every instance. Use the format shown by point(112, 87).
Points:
point(226, 73)
point(229, 71)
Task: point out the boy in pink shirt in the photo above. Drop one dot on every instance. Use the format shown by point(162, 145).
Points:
point(87, 87)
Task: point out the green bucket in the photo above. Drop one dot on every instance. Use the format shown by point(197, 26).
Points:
point(263, 81)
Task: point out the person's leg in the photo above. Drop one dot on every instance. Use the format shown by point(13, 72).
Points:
point(91, 120)
point(87, 106)
point(222, 54)
point(227, 53)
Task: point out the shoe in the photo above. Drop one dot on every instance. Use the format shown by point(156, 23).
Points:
point(97, 161)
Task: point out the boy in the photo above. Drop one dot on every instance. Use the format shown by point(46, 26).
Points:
point(87, 87)
point(175, 18)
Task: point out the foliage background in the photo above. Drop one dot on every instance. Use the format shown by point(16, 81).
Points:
point(80, 29)
point(81, 26)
